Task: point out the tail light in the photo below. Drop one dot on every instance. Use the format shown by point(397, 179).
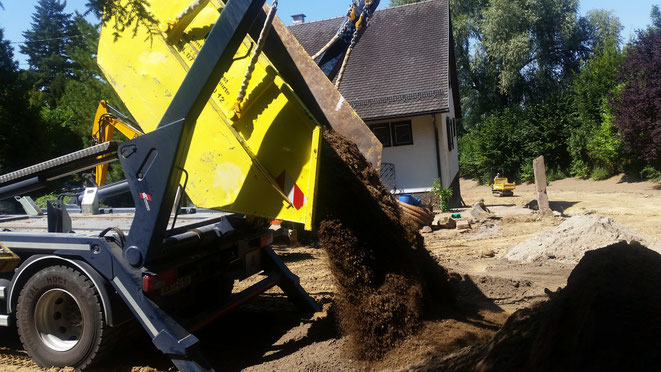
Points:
point(265, 239)
point(152, 282)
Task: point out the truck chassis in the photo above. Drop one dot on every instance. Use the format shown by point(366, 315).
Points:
point(72, 288)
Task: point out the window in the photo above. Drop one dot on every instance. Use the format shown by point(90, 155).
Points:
point(450, 131)
point(397, 133)
point(382, 132)
point(402, 133)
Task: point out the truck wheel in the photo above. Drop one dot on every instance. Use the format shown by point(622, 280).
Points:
point(60, 320)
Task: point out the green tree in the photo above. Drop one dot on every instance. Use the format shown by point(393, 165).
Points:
point(655, 15)
point(506, 141)
point(19, 134)
point(46, 47)
point(603, 27)
point(130, 14)
point(593, 141)
point(516, 52)
point(88, 85)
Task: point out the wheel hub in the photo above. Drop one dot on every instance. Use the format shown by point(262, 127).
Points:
point(58, 320)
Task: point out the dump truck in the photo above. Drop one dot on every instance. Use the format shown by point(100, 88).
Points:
point(502, 187)
point(230, 111)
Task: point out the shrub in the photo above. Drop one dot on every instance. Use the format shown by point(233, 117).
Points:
point(600, 173)
point(441, 195)
point(650, 173)
point(579, 169)
point(527, 172)
point(555, 174)
point(41, 201)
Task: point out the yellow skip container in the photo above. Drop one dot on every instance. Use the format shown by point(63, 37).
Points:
point(262, 164)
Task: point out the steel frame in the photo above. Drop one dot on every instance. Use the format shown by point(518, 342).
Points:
point(153, 166)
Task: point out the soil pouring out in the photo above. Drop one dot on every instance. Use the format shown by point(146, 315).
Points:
point(387, 280)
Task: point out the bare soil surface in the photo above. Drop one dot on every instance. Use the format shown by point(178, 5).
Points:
point(268, 334)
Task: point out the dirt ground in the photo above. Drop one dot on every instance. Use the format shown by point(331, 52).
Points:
point(268, 334)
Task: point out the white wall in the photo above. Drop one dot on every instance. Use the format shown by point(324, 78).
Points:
point(449, 159)
point(415, 165)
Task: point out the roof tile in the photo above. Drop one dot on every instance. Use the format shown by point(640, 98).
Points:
point(400, 66)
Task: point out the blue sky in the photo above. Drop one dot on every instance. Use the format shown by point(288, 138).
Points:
point(15, 18)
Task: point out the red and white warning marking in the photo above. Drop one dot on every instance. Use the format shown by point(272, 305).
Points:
point(292, 190)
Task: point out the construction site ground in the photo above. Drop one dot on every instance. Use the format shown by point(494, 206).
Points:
point(268, 334)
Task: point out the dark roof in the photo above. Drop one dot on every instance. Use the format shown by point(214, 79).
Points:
point(401, 65)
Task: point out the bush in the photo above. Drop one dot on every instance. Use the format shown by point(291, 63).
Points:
point(441, 195)
point(527, 172)
point(41, 201)
point(555, 174)
point(650, 173)
point(579, 169)
point(600, 173)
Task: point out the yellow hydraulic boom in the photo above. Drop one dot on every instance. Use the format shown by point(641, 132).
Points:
point(106, 121)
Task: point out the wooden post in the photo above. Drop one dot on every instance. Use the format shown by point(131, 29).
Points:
point(540, 185)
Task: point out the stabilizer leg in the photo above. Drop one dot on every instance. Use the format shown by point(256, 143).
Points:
point(290, 284)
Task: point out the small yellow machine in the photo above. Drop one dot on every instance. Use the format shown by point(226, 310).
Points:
point(502, 187)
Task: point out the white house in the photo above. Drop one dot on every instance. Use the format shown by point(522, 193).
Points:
point(401, 79)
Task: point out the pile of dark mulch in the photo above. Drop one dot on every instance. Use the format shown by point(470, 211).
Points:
point(607, 318)
point(386, 278)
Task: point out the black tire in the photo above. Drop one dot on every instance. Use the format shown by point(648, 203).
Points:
point(60, 319)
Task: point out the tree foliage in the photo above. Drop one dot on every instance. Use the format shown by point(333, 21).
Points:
point(49, 108)
point(131, 14)
point(520, 52)
point(637, 109)
point(655, 15)
point(506, 141)
point(594, 141)
point(19, 133)
point(45, 45)
point(88, 85)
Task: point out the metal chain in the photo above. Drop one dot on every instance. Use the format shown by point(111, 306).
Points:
point(255, 55)
point(354, 40)
point(335, 38)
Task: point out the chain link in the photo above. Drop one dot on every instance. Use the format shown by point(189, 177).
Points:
point(253, 60)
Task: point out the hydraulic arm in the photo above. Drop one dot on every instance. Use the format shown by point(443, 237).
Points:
point(106, 121)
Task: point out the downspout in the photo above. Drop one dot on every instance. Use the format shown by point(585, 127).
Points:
point(438, 148)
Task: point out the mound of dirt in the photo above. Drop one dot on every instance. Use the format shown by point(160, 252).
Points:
point(386, 278)
point(605, 319)
point(568, 242)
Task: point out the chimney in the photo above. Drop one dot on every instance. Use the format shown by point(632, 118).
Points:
point(298, 18)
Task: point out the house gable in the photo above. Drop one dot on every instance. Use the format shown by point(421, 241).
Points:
point(402, 65)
